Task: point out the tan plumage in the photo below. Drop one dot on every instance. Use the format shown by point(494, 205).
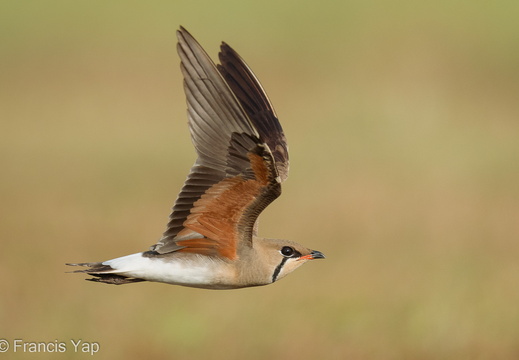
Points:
point(211, 241)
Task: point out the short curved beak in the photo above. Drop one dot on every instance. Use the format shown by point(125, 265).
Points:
point(317, 255)
point(313, 255)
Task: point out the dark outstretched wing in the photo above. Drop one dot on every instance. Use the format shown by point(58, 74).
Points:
point(256, 104)
point(236, 174)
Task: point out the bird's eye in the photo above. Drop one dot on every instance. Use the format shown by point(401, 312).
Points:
point(287, 251)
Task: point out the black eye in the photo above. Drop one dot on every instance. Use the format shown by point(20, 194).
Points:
point(287, 251)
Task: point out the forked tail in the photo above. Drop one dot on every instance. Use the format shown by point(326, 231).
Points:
point(104, 274)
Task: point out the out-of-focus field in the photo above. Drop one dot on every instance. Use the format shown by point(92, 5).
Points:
point(403, 124)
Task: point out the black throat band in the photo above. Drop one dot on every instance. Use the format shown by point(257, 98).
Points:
point(278, 269)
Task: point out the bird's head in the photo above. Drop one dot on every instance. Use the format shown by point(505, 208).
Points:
point(281, 257)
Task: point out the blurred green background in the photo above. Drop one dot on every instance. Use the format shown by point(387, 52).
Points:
point(403, 124)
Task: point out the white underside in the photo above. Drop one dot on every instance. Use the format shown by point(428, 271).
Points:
point(198, 271)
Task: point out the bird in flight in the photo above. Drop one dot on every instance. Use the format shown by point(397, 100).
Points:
point(211, 239)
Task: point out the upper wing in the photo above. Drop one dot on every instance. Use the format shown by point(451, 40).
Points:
point(236, 174)
point(256, 104)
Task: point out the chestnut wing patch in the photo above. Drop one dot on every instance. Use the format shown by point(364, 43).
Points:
point(225, 213)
